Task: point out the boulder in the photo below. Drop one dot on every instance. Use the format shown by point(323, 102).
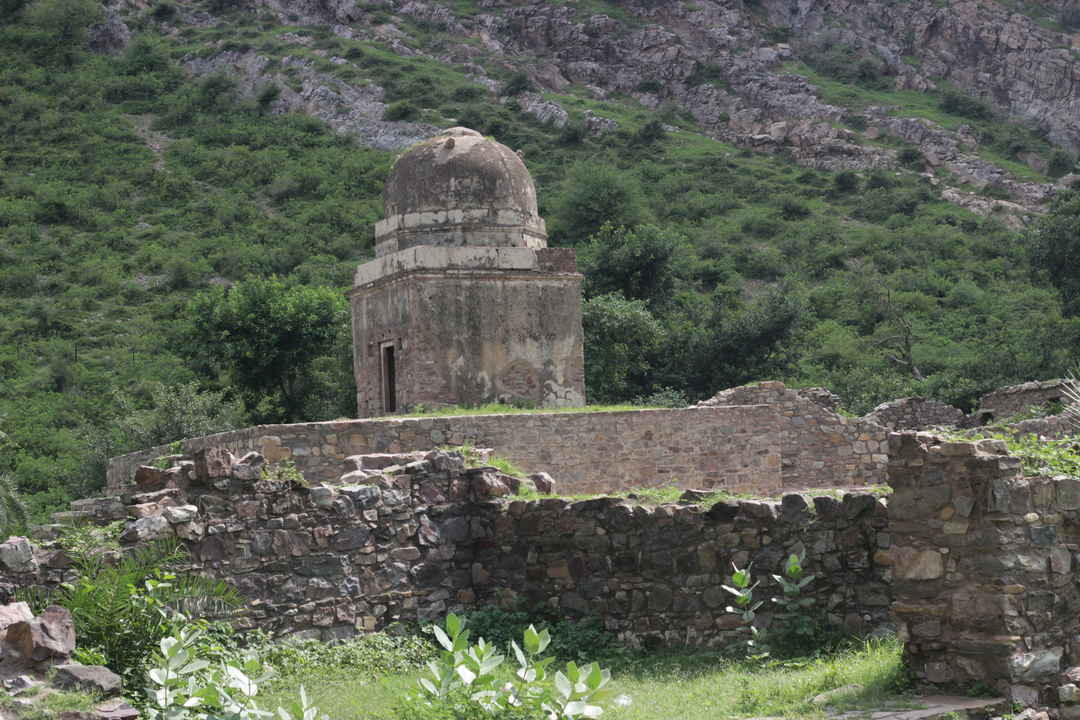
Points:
point(179, 514)
point(49, 637)
point(110, 37)
point(88, 678)
point(17, 555)
point(115, 710)
point(13, 613)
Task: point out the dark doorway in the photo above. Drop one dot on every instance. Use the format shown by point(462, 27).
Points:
point(389, 379)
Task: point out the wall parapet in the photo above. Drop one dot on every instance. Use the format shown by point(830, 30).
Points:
point(756, 448)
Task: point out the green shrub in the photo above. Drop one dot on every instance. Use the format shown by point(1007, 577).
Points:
point(183, 685)
point(1061, 163)
point(779, 34)
point(123, 609)
point(401, 110)
point(956, 103)
point(572, 639)
point(516, 84)
point(467, 676)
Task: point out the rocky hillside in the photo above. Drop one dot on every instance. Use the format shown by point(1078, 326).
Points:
point(821, 193)
point(834, 84)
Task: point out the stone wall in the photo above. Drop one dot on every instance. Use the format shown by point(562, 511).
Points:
point(411, 537)
point(983, 570)
point(820, 447)
point(654, 574)
point(915, 413)
point(734, 448)
point(1008, 401)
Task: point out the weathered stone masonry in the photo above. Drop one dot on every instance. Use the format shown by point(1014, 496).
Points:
point(764, 440)
point(412, 537)
point(984, 570)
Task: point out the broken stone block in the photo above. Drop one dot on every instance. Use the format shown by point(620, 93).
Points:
point(212, 464)
point(544, 483)
point(249, 467)
point(912, 564)
point(180, 514)
point(1035, 666)
point(51, 636)
point(487, 486)
point(17, 555)
point(147, 528)
point(88, 678)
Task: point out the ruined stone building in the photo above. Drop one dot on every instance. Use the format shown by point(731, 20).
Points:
point(464, 303)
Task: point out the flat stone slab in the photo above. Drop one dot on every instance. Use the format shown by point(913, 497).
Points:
point(931, 707)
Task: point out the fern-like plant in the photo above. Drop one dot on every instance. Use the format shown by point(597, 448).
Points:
point(123, 609)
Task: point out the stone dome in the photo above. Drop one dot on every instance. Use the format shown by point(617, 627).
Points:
point(459, 189)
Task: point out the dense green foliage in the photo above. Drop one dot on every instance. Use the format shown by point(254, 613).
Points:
point(132, 194)
point(123, 607)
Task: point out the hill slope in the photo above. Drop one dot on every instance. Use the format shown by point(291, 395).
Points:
point(217, 143)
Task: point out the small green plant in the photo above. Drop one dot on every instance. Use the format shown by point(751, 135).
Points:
point(795, 628)
point(184, 686)
point(467, 676)
point(283, 471)
point(742, 589)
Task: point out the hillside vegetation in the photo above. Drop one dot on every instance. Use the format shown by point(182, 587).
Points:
point(128, 188)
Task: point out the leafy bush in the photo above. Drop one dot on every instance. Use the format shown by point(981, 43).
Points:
point(375, 654)
point(185, 686)
point(517, 83)
point(466, 676)
point(401, 110)
point(123, 609)
point(846, 63)
point(571, 639)
point(956, 103)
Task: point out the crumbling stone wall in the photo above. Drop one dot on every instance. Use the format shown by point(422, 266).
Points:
point(915, 413)
point(735, 448)
point(760, 439)
point(411, 537)
point(654, 574)
point(983, 570)
point(1016, 399)
point(820, 447)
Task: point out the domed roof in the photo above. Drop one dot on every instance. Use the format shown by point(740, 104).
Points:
point(459, 188)
point(459, 169)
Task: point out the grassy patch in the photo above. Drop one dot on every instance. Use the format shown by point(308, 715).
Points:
point(687, 684)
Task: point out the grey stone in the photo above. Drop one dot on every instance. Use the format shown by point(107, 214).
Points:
point(1036, 666)
point(17, 555)
point(88, 678)
point(51, 636)
point(179, 513)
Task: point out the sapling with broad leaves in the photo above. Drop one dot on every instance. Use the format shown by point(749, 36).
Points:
point(793, 617)
point(742, 588)
point(469, 673)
